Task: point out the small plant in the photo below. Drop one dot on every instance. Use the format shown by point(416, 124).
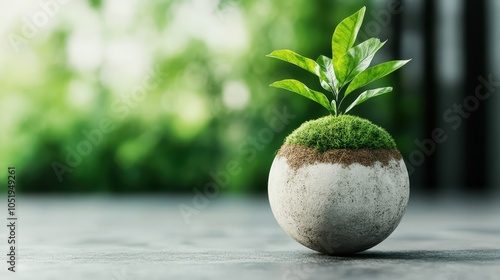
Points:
point(338, 184)
point(345, 72)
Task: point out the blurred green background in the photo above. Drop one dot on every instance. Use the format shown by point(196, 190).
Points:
point(150, 96)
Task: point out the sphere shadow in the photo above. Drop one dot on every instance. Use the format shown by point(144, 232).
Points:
point(478, 255)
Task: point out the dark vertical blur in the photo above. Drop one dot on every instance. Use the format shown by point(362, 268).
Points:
point(494, 53)
point(397, 99)
point(430, 82)
point(475, 40)
point(451, 46)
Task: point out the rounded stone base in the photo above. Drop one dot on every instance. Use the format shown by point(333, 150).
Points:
point(336, 207)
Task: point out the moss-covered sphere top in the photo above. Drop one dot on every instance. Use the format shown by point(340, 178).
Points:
point(342, 132)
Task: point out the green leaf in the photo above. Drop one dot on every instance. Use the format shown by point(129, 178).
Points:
point(327, 79)
point(300, 88)
point(298, 60)
point(367, 95)
point(345, 34)
point(374, 73)
point(356, 60)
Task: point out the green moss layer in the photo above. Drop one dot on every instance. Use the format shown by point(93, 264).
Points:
point(342, 132)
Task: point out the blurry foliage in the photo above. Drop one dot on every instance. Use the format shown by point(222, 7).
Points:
point(212, 95)
point(95, 3)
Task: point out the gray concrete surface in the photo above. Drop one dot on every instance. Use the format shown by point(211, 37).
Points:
point(125, 238)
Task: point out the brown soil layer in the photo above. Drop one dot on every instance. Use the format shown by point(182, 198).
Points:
point(297, 156)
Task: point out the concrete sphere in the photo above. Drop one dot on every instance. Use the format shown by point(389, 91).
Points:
point(336, 208)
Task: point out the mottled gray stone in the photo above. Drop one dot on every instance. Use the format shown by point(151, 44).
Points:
point(337, 209)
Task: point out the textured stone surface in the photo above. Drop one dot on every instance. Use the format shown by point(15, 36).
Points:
point(131, 238)
point(337, 209)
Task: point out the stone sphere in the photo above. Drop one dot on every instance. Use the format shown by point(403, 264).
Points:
point(338, 209)
point(338, 201)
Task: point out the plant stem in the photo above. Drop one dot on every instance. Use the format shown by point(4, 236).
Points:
point(338, 107)
point(341, 100)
